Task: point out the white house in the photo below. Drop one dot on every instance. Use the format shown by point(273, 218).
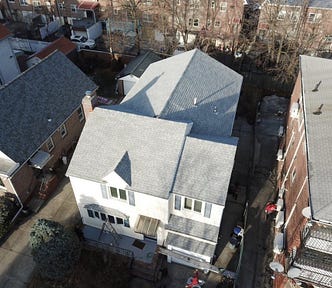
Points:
point(164, 176)
point(9, 68)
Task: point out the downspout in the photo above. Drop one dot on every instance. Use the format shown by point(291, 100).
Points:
point(19, 200)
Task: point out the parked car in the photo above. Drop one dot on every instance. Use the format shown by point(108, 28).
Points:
point(83, 42)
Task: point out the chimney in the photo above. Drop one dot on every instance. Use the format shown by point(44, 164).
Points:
point(89, 102)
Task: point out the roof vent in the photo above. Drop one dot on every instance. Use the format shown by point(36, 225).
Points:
point(316, 87)
point(319, 110)
point(195, 101)
point(215, 110)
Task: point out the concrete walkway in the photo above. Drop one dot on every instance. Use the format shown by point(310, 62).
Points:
point(16, 263)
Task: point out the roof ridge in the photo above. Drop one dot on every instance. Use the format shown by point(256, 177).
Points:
point(177, 84)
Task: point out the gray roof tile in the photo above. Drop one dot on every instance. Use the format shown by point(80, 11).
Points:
point(192, 228)
point(113, 140)
point(319, 133)
point(190, 244)
point(169, 88)
point(205, 168)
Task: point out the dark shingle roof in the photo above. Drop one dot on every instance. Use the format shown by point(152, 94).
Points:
point(52, 89)
point(138, 65)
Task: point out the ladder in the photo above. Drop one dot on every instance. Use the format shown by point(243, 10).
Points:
point(108, 226)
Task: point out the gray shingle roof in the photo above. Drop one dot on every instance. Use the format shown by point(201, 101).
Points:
point(52, 89)
point(205, 168)
point(168, 89)
point(319, 133)
point(312, 3)
point(189, 244)
point(138, 65)
point(113, 140)
point(192, 228)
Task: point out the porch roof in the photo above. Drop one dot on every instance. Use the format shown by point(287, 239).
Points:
point(147, 226)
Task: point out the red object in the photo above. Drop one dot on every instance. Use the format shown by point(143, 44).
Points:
point(195, 279)
point(270, 208)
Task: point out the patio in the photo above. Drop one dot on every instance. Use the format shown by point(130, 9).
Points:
point(140, 250)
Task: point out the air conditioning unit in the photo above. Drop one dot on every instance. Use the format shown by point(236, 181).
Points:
point(281, 192)
point(280, 155)
point(294, 111)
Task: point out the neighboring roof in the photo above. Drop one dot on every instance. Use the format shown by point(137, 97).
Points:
point(169, 88)
point(312, 3)
point(193, 228)
point(115, 140)
point(52, 89)
point(190, 244)
point(138, 65)
point(87, 5)
point(62, 44)
point(4, 32)
point(205, 168)
point(318, 133)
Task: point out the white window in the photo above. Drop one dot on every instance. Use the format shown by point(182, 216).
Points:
point(196, 23)
point(50, 144)
point(313, 17)
point(281, 15)
point(63, 130)
point(80, 114)
point(116, 11)
point(213, 4)
point(24, 2)
point(295, 16)
point(293, 174)
point(192, 204)
point(117, 193)
point(194, 4)
point(328, 38)
point(62, 6)
point(73, 8)
point(223, 6)
point(147, 2)
point(147, 17)
point(178, 2)
point(217, 23)
point(36, 3)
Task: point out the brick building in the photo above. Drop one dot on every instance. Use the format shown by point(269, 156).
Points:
point(304, 180)
point(306, 22)
point(156, 22)
point(41, 119)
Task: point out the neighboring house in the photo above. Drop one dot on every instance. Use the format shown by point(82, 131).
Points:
point(158, 166)
point(129, 75)
point(41, 119)
point(304, 180)
point(9, 67)
point(307, 22)
point(62, 44)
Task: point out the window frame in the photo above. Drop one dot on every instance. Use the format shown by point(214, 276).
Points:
point(118, 193)
point(73, 8)
point(196, 22)
point(192, 206)
point(63, 130)
point(24, 3)
point(80, 113)
point(223, 6)
point(215, 23)
point(62, 6)
point(50, 141)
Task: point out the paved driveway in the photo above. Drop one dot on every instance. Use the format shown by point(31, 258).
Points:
point(16, 263)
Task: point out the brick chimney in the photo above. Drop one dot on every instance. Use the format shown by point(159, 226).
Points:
point(89, 102)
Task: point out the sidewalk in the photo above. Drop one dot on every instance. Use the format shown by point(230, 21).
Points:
point(16, 263)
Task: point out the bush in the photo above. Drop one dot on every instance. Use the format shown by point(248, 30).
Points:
point(7, 211)
point(55, 250)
